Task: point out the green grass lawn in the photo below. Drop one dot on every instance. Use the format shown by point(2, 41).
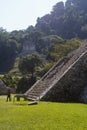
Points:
point(44, 116)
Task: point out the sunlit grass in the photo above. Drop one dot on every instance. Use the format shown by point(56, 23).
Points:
point(44, 116)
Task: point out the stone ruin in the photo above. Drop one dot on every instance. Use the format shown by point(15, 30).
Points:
point(66, 81)
point(3, 89)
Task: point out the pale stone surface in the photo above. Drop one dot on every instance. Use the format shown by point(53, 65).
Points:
point(3, 89)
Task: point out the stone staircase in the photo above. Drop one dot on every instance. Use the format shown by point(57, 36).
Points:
point(41, 87)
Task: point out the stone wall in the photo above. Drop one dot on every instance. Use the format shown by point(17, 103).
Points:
point(3, 89)
point(72, 87)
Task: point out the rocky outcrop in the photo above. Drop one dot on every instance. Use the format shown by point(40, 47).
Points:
point(28, 47)
point(3, 89)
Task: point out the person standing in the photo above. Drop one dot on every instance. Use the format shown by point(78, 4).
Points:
point(8, 94)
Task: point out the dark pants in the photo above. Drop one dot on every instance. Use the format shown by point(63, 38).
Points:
point(8, 98)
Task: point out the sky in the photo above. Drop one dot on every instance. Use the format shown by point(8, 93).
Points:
point(20, 14)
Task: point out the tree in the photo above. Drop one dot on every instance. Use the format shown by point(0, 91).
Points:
point(57, 51)
point(29, 63)
point(58, 9)
point(25, 83)
point(9, 80)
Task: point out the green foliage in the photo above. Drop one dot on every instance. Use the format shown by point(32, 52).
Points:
point(43, 26)
point(65, 21)
point(43, 69)
point(45, 41)
point(58, 9)
point(15, 70)
point(10, 81)
point(8, 51)
point(56, 51)
point(24, 84)
point(44, 116)
point(29, 63)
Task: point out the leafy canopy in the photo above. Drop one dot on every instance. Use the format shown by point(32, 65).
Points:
point(28, 63)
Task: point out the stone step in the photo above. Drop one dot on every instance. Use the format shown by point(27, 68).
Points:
point(56, 73)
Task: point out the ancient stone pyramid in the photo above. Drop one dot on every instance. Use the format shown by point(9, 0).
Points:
point(66, 81)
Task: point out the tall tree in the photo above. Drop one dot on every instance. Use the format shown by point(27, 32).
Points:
point(29, 63)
